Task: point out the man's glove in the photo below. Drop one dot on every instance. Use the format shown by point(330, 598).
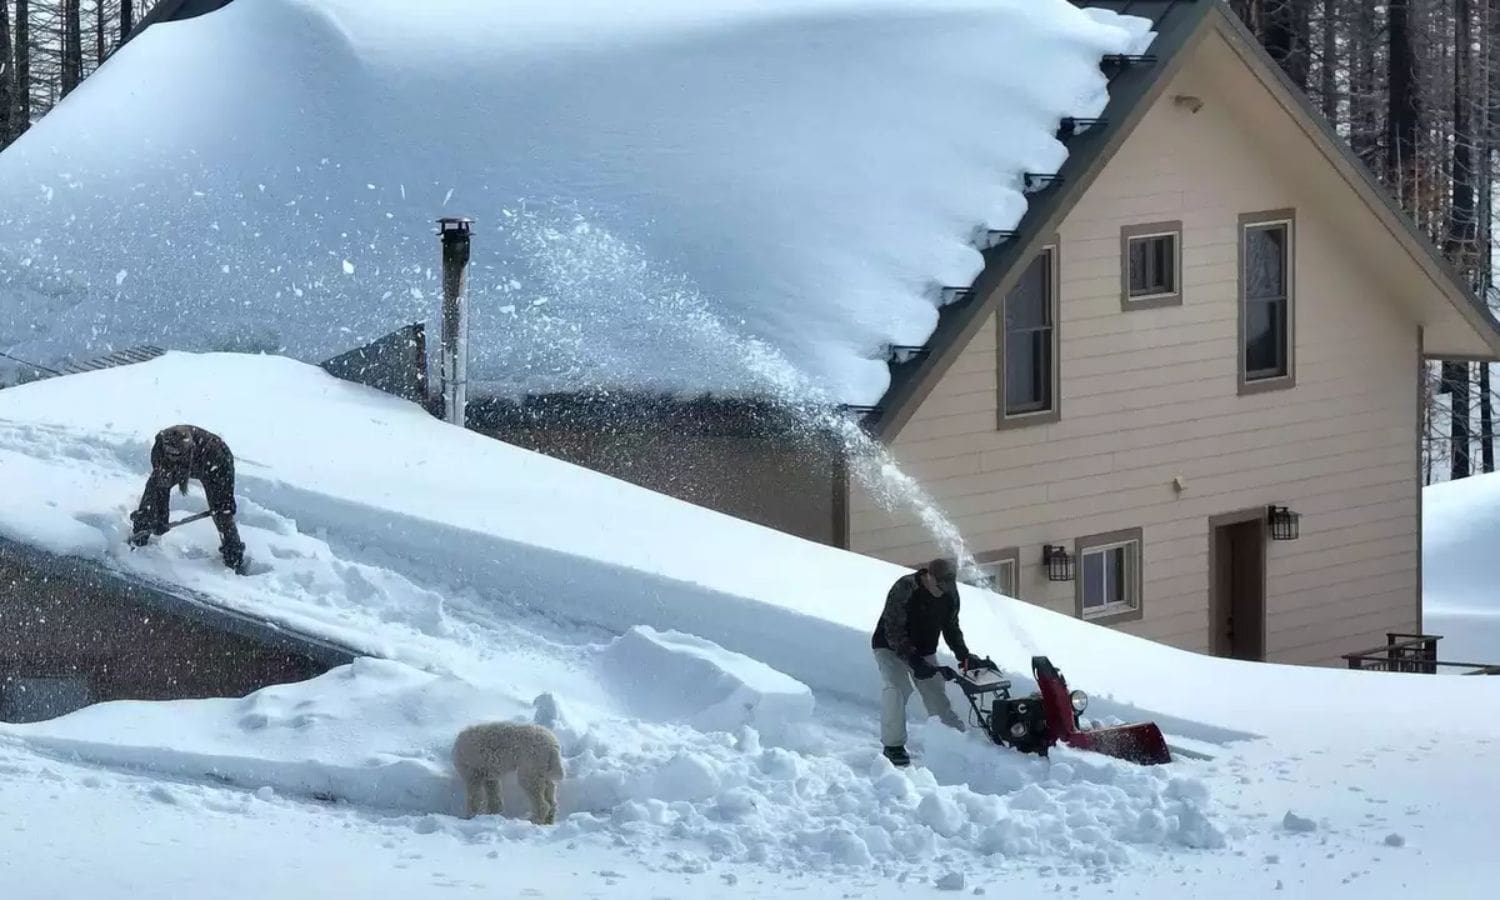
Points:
point(140, 538)
point(920, 667)
point(972, 661)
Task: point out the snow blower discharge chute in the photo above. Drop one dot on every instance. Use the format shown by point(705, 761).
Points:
point(1034, 724)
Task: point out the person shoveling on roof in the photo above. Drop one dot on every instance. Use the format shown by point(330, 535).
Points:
point(919, 607)
point(179, 453)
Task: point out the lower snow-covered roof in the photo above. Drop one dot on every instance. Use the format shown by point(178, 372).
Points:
point(666, 193)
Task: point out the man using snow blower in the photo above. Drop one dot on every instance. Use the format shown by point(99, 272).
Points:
point(179, 453)
point(918, 608)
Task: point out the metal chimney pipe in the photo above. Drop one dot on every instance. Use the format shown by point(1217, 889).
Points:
point(454, 356)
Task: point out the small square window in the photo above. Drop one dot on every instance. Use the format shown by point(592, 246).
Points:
point(1107, 583)
point(1151, 265)
point(998, 571)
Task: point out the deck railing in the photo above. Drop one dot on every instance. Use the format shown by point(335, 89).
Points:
point(1412, 653)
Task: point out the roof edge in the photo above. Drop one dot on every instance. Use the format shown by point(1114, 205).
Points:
point(175, 600)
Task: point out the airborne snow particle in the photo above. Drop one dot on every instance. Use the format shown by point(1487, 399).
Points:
point(348, 267)
point(120, 277)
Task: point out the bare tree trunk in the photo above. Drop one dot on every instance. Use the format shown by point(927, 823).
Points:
point(1461, 245)
point(1330, 60)
point(127, 20)
point(22, 118)
point(1457, 377)
point(7, 77)
point(72, 58)
point(1364, 115)
point(1286, 36)
point(1402, 113)
point(99, 19)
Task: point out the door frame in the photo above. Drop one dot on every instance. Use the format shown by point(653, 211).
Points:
point(1257, 516)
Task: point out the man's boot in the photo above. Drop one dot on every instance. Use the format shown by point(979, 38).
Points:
point(897, 756)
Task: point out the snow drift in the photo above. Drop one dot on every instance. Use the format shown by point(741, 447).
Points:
point(1460, 530)
point(654, 181)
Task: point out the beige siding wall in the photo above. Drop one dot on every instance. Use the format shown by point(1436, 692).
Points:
point(1151, 394)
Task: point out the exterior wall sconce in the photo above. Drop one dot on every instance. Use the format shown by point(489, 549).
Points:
point(1059, 564)
point(1285, 524)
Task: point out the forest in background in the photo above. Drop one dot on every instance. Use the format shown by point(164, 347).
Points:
point(1411, 85)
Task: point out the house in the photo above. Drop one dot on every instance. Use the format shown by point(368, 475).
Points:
point(1216, 315)
point(73, 633)
point(1181, 399)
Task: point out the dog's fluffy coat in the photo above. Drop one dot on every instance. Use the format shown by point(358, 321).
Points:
point(484, 753)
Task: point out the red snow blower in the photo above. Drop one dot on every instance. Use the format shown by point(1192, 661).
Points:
point(1034, 724)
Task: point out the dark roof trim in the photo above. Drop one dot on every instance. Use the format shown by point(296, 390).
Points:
point(1131, 93)
point(1385, 205)
point(179, 602)
point(175, 11)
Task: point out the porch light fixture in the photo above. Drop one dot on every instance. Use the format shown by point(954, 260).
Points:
point(1285, 524)
point(1059, 564)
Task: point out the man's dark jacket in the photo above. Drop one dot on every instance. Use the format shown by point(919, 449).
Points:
point(212, 464)
point(913, 618)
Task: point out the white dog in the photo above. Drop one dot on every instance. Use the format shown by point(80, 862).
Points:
point(483, 754)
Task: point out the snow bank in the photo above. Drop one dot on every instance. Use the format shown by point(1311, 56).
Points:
point(698, 682)
point(655, 177)
point(438, 547)
point(1460, 530)
point(377, 733)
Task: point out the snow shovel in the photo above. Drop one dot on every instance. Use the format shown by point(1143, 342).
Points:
point(139, 538)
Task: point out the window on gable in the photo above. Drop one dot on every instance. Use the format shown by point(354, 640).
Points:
point(1266, 303)
point(1029, 342)
point(1107, 581)
point(1152, 265)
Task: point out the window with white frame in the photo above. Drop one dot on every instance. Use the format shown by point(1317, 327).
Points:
point(1108, 576)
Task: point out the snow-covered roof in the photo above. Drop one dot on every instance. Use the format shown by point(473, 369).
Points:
point(657, 184)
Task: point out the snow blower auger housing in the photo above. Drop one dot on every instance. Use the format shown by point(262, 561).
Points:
point(1052, 713)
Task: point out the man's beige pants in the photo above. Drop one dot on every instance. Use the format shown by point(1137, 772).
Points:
point(896, 684)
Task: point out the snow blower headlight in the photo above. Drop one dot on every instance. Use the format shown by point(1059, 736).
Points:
point(1018, 730)
point(1080, 701)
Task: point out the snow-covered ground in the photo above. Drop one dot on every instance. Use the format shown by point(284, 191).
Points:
point(1460, 596)
point(709, 679)
point(647, 176)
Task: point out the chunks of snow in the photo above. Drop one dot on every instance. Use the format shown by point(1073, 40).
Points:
point(952, 881)
point(671, 676)
point(1297, 824)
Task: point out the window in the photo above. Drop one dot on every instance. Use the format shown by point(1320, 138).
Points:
point(34, 698)
point(998, 571)
point(1267, 312)
point(1151, 265)
point(1028, 345)
point(1107, 580)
